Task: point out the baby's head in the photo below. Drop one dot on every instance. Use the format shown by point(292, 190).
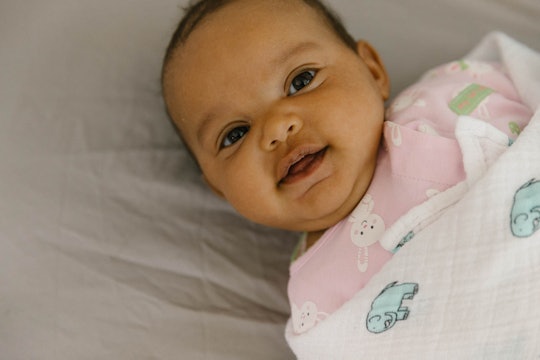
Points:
point(282, 110)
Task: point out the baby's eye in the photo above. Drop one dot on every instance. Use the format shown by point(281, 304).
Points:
point(234, 135)
point(300, 81)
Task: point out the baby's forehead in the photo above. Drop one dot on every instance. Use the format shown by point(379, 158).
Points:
point(240, 31)
point(221, 25)
point(231, 10)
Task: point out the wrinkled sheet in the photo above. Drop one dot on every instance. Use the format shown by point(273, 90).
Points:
point(111, 247)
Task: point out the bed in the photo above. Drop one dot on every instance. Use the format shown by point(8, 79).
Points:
point(111, 246)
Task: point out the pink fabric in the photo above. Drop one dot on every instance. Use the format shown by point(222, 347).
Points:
point(418, 158)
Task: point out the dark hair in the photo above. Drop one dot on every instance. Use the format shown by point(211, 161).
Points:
point(200, 9)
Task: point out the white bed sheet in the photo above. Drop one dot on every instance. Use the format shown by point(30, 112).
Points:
point(110, 245)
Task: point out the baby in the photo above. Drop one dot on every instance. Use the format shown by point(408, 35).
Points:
point(284, 113)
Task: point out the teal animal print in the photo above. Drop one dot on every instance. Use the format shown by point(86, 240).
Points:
point(403, 241)
point(387, 308)
point(525, 213)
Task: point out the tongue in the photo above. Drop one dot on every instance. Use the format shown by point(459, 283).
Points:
point(301, 165)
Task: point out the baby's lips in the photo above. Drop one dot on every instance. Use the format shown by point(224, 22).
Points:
point(295, 157)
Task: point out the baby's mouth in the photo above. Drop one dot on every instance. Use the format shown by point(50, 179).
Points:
point(301, 166)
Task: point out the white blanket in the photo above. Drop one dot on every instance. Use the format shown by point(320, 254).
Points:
point(465, 282)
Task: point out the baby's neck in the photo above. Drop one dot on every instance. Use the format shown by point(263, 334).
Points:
point(312, 237)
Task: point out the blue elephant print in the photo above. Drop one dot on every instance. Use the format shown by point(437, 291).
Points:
point(403, 241)
point(525, 213)
point(387, 307)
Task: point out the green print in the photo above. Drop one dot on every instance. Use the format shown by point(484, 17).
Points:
point(463, 65)
point(469, 99)
point(514, 128)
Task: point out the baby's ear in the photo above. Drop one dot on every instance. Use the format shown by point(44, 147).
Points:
point(375, 65)
point(212, 187)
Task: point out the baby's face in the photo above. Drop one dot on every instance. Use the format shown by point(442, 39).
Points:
point(283, 118)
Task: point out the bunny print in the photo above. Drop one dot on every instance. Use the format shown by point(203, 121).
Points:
point(366, 230)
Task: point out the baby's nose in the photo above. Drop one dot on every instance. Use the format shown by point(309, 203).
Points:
point(278, 128)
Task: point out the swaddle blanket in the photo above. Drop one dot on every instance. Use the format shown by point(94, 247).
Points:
point(465, 280)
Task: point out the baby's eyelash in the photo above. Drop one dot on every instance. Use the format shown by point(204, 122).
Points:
point(233, 135)
point(300, 81)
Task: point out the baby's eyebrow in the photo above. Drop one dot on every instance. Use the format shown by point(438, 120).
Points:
point(292, 51)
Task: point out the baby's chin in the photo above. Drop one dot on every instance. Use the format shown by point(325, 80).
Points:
point(328, 215)
point(320, 210)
